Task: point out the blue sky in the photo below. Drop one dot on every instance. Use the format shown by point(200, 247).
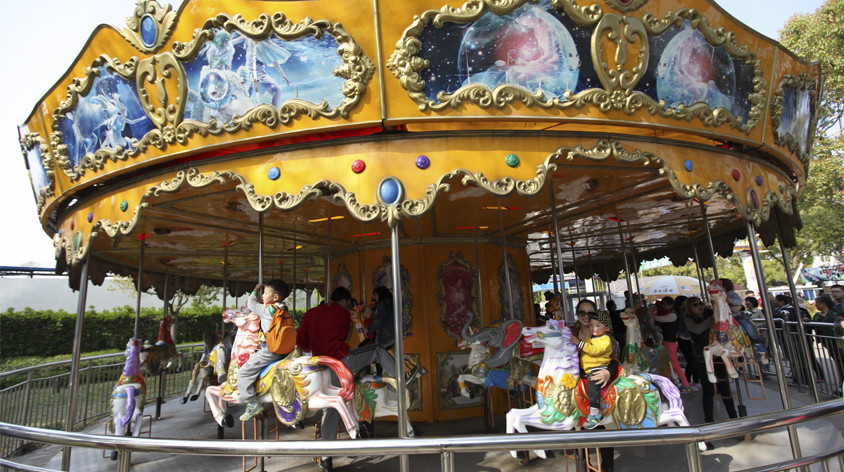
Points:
point(42, 37)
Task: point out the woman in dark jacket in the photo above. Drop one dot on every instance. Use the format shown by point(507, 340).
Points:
point(383, 324)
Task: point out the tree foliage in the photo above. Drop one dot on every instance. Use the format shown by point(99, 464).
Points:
point(819, 36)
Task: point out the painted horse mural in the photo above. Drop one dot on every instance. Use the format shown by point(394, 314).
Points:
point(296, 386)
point(630, 402)
point(127, 396)
point(726, 338)
point(503, 335)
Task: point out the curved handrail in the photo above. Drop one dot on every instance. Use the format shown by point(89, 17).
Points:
point(429, 445)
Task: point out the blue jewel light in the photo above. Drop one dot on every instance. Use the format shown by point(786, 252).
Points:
point(149, 31)
point(274, 173)
point(390, 191)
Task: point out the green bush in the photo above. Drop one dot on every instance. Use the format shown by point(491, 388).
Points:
point(50, 333)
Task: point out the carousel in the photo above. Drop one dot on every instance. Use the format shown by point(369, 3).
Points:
point(455, 153)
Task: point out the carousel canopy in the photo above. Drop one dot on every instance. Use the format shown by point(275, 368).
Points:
point(624, 121)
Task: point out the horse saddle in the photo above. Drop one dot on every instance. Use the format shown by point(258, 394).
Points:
point(609, 395)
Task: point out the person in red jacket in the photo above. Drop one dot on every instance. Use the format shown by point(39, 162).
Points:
point(323, 332)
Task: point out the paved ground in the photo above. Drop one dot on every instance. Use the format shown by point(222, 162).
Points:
point(187, 422)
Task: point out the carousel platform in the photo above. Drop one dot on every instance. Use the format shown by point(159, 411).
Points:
point(189, 422)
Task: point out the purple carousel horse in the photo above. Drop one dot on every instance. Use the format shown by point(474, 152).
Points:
point(127, 397)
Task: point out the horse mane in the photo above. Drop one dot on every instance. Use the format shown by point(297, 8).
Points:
point(132, 365)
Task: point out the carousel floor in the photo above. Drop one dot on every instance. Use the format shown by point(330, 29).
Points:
point(188, 422)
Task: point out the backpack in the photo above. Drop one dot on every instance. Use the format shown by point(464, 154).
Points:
point(281, 337)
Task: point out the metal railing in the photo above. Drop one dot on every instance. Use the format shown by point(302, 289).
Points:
point(41, 397)
point(826, 352)
point(446, 447)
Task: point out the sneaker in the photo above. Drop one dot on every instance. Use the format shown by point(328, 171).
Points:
point(411, 375)
point(685, 389)
point(252, 410)
point(324, 463)
point(695, 387)
point(592, 421)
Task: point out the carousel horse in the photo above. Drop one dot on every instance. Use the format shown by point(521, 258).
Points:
point(203, 370)
point(504, 336)
point(127, 397)
point(297, 386)
point(654, 351)
point(376, 397)
point(726, 338)
point(162, 352)
point(633, 357)
point(629, 402)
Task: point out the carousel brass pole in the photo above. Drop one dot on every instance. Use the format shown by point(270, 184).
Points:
point(709, 240)
point(566, 305)
point(801, 329)
point(398, 318)
point(480, 285)
point(635, 264)
point(295, 275)
point(554, 271)
point(328, 264)
point(225, 274)
point(260, 248)
point(363, 292)
point(704, 294)
point(785, 396)
point(574, 265)
point(591, 269)
point(161, 375)
point(626, 266)
point(506, 262)
point(73, 386)
point(139, 284)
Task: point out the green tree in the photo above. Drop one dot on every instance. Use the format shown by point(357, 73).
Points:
point(204, 297)
point(819, 36)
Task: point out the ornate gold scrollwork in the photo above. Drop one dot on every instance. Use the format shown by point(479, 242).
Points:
point(625, 32)
point(626, 5)
point(156, 70)
point(617, 79)
point(802, 82)
point(162, 21)
point(29, 141)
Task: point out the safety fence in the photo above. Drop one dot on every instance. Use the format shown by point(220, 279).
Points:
point(40, 395)
point(447, 447)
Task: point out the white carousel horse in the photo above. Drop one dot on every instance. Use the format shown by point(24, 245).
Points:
point(127, 397)
point(631, 402)
point(726, 338)
point(297, 386)
point(203, 370)
point(633, 357)
point(375, 398)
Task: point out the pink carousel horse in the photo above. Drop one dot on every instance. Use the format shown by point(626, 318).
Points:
point(127, 397)
point(726, 338)
point(297, 386)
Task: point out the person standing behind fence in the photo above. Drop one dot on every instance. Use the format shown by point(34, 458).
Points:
point(828, 338)
point(666, 318)
point(684, 342)
point(699, 321)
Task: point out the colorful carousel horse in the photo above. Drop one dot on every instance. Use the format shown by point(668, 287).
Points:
point(634, 359)
point(127, 397)
point(726, 338)
point(203, 370)
point(483, 367)
point(630, 402)
point(297, 386)
point(163, 352)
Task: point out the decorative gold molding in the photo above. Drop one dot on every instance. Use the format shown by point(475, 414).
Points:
point(802, 82)
point(163, 18)
point(406, 65)
point(29, 141)
point(603, 150)
point(167, 115)
point(629, 6)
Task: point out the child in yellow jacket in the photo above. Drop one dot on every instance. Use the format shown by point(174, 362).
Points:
point(595, 355)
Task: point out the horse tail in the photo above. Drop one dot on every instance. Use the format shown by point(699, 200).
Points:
point(668, 389)
point(130, 405)
point(347, 380)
